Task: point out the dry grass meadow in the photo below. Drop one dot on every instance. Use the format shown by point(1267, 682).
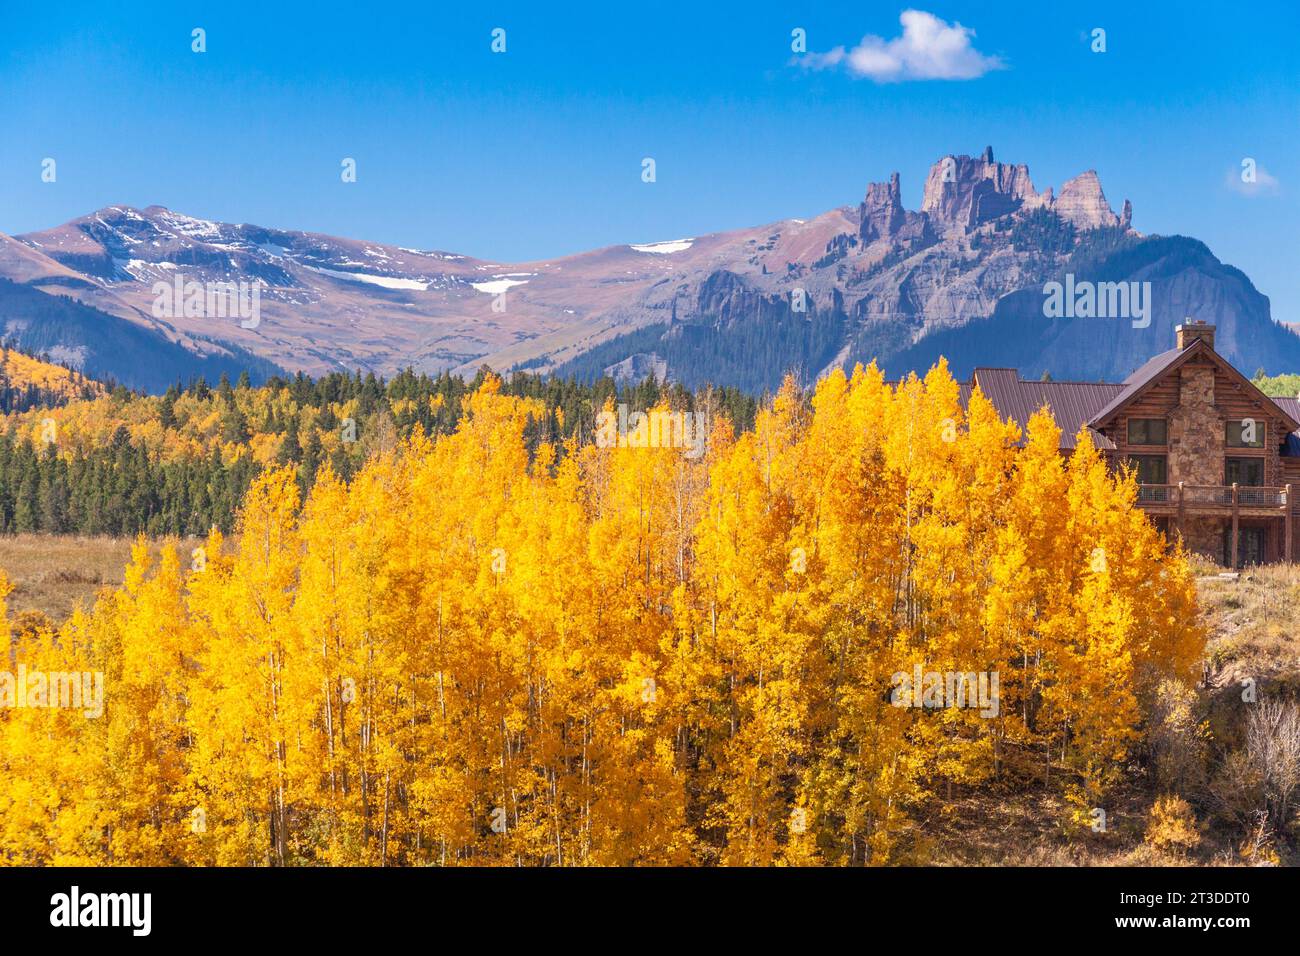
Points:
point(54, 574)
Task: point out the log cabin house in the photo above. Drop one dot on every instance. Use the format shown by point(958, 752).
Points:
point(1216, 458)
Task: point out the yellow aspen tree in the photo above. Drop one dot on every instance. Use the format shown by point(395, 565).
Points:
point(150, 654)
point(240, 717)
point(53, 810)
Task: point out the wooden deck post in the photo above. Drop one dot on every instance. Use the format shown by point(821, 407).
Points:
point(1182, 513)
point(1234, 526)
point(1286, 517)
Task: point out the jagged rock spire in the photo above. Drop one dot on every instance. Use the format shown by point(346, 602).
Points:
point(883, 215)
point(1083, 203)
point(964, 192)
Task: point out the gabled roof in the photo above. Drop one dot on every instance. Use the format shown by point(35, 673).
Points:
point(1074, 404)
point(1136, 383)
point(1155, 368)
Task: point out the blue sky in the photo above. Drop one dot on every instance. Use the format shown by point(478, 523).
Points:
point(537, 152)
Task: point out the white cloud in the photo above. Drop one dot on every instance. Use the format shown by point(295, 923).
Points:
point(1265, 182)
point(929, 49)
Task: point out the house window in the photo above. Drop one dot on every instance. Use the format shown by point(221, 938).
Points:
point(1243, 471)
point(1250, 546)
point(1150, 469)
point(1247, 433)
point(1147, 431)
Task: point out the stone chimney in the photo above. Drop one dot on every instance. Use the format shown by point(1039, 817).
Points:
point(1189, 332)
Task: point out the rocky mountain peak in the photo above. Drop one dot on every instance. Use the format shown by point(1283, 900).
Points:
point(962, 192)
point(1083, 203)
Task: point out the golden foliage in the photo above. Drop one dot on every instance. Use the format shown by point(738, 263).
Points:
point(19, 370)
point(615, 655)
point(1172, 825)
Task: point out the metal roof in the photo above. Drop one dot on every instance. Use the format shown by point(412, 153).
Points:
point(1291, 406)
point(1071, 404)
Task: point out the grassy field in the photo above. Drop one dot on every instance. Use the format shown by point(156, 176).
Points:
point(1254, 620)
point(54, 574)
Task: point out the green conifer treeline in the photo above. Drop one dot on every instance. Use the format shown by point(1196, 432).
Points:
point(127, 480)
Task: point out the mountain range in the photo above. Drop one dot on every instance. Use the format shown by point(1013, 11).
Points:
point(963, 277)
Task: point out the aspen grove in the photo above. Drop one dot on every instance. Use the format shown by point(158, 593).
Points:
point(470, 653)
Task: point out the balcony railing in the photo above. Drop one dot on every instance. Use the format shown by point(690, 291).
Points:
point(1216, 497)
point(1233, 502)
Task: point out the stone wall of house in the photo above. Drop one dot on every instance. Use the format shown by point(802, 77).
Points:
point(1195, 430)
point(1204, 536)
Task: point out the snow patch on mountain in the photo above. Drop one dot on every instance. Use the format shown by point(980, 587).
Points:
point(498, 285)
point(447, 256)
point(664, 248)
point(387, 282)
point(189, 226)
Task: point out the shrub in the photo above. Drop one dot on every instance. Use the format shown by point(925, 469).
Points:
point(1178, 740)
point(1237, 790)
point(1273, 743)
point(1257, 849)
point(1172, 827)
